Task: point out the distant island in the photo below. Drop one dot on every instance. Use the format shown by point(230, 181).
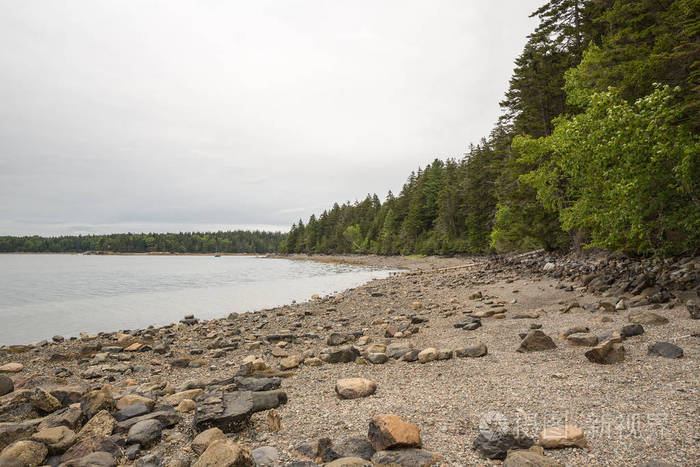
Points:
point(237, 241)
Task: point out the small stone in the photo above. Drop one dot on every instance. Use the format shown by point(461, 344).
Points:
point(130, 399)
point(607, 353)
point(665, 349)
point(582, 339)
point(349, 447)
point(425, 356)
point(631, 330)
point(536, 340)
point(533, 457)
point(496, 444)
point(353, 388)
point(313, 361)
point(12, 367)
point(377, 358)
point(693, 309)
point(390, 431)
point(473, 351)
point(405, 458)
point(146, 433)
point(562, 437)
point(266, 456)
point(58, 439)
point(476, 296)
point(646, 317)
point(225, 453)
point(290, 362)
point(202, 441)
point(24, 453)
point(6, 385)
point(186, 406)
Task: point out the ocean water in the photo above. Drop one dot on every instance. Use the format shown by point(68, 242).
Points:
point(46, 295)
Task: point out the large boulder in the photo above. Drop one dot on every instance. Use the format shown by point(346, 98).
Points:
point(536, 340)
point(389, 432)
point(231, 411)
point(353, 388)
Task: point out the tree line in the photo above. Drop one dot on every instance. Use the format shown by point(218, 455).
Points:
point(239, 241)
point(597, 146)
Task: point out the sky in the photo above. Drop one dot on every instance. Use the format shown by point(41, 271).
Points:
point(168, 116)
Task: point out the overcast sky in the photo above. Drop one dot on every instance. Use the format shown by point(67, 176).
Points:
point(197, 115)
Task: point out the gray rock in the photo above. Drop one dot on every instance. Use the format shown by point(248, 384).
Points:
point(258, 384)
point(131, 411)
point(146, 433)
point(410, 356)
point(469, 323)
point(231, 411)
point(377, 358)
point(397, 350)
point(349, 447)
point(95, 459)
point(631, 330)
point(495, 444)
point(166, 415)
point(266, 456)
point(405, 458)
point(337, 338)
point(150, 460)
point(346, 354)
point(665, 349)
point(6, 385)
point(473, 351)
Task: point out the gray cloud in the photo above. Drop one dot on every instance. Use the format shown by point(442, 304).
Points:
point(185, 115)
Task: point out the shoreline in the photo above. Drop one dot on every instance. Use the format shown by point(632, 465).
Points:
point(293, 348)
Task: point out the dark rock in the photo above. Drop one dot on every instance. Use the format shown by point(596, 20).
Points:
point(495, 444)
point(146, 433)
point(95, 459)
point(469, 323)
point(166, 415)
point(131, 411)
point(231, 411)
point(94, 401)
point(349, 447)
point(411, 356)
point(11, 432)
point(342, 355)
point(314, 449)
point(258, 384)
point(631, 330)
point(132, 451)
point(6, 385)
point(337, 338)
point(266, 456)
point(665, 349)
point(609, 352)
point(91, 445)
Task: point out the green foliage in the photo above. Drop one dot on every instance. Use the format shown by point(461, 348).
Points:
point(626, 174)
point(238, 241)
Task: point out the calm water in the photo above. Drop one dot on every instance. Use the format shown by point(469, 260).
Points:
point(45, 295)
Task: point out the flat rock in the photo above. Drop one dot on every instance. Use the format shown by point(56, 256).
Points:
point(134, 410)
point(405, 458)
point(166, 415)
point(349, 447)
point(390, 432)
point(473, 351)
point(12, 367)
point(231, 411)
point(130, 399)
point(631, 330)
point(95, 459)
point(258, 384)
point(496, 444)
point(349, 462)
point(533, 457)
point(557, 437)
point(665, 349)
point(57, 439)
point(582, 339)
point(353, 388)
point(646, 317)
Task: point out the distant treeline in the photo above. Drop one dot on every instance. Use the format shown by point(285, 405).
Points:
point(597, 146)
point(239, 241)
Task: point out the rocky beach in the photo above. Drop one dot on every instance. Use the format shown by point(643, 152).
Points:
point(523, 360)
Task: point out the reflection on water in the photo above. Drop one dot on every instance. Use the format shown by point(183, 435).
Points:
point(45, 295)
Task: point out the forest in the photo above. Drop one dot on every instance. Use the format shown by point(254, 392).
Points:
point(597, 146)
point(240, 241)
